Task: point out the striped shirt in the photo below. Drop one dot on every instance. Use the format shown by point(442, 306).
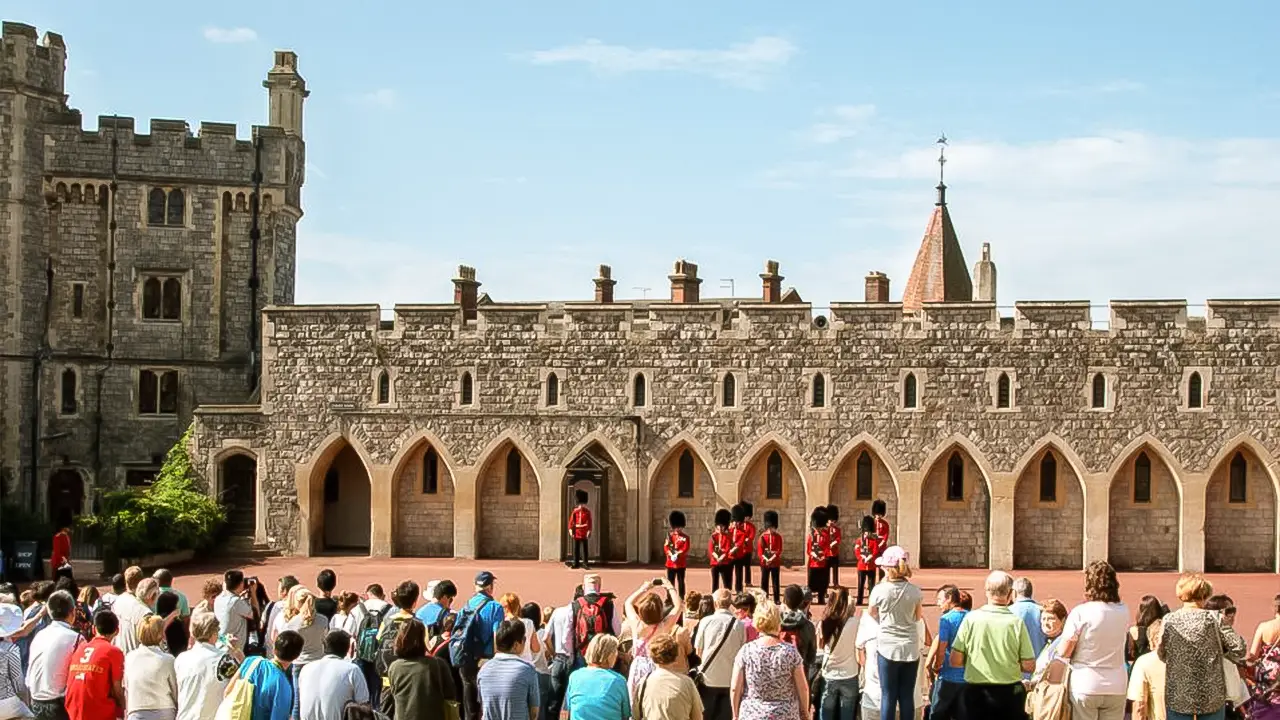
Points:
point(508, 688)
point(12, 682)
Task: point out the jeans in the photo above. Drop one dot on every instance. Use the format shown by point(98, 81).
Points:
point(1218, 715)
point(470, 690)
point(561, 666)
point(716, 703)
point(295, 671)
point(49, 709)
point(839, 700)
point(544, 693)
point(945, 703)
point(897, 688)
point(1097, 707)
point(373, 681)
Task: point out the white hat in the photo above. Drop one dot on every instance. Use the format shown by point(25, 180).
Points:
point(10, 619)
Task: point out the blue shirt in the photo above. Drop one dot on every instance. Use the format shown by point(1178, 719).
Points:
point(490, 617)
point(597, 694)
point(431, 613)
point(1029, 611)
point(508, 688)
point(948, 626)
point(272, 689)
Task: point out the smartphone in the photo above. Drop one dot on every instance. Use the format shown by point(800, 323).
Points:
point(657, 582)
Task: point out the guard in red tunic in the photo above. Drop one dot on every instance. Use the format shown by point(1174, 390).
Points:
point(719, 550)
point(770, 549)
point(60, 558)
point(580, 531)
point(834, 536)
point(878, 511)
point(867, 548)
point(676, 550)
point(748, 510)
point(741, 551)
point(815, 552)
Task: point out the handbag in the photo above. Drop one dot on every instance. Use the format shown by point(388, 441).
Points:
point(1050, 700)
point(238, 702)
point(699, 680)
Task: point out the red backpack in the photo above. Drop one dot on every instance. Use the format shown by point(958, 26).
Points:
point(588, 621)
point(790, 636)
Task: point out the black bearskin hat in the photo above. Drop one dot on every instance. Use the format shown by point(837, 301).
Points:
point(771, 519)
point(868, 524)
point(878, 508)
point(748, 509)
point(675, 519)
point(833, 513)
point(738, 513)
point(818, 518)
point(581, 497)
point(722, 517)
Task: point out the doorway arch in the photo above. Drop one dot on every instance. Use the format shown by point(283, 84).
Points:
point(595, 472)
point(1146, 506)
point(955, 511)
point(1240, 501)
point(508, 515)
point(65, 501)
point(861, 477)
point(343, 493)
point(682, 481)
point(238, 493)
point(1048, 513)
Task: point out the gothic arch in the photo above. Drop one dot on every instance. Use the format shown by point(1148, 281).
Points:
point(626, 470)
point(943, 515)
point(416, 440)
point(508, 524)
point(792, 499)
point(660, 495)
point(870, 442)
point(353, 528)
point(236, 486)
point(593, 466)
point(1254, 515)
point(322, 452)
point(1156, 446)
point(1048, 532)
point(962, 442)
point(789, 452)
point(422, 514)
point(510, 436)
point(1145, 528)
point(683, 438)
point(1063, 449)
point(1245, 440)
point(843, 474)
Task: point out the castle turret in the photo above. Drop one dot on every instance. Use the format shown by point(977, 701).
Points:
point(286, 92)
point(984, 275)
point(940, 273)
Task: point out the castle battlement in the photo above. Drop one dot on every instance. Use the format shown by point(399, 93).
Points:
point(31, 61)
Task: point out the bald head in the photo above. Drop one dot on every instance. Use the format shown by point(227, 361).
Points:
point(999, 587)
point(723, 599)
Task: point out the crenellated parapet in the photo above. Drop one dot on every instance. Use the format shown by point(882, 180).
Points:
point(32, 63)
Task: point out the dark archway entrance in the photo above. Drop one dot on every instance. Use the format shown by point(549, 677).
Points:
point(66, 496)
point(238, 492)
point(594, 474)
point(347, 499)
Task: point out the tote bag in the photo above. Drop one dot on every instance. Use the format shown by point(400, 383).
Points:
point(237, 704)
point(1049, 700)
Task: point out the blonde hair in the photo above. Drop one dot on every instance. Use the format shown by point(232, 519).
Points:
point(767, 618)
point(1153, 632)
point(510, 602)
point(602, 651)
point(1193, 588)
point(150, 631)
point(901, 571)
point(300, 602)
point(132, 576)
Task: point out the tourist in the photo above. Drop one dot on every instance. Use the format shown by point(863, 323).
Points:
point(668, 693)
point(374, 612)
point(720, 551)
point(176, 636)
point(165, 579)
point(948, 689)
point(327, 685)
point(301, 617)
point(1028, 610)
point(13, 686)
point(645, 619)
point(1049, 697)
point(271, 615)
point(580, 531)
point(326, 582)
point(897, 605)
point(675, 550)
point(993, 647)
point(1264, 656)
point(693, 612)
point(868, 630)
point(418, 685)
point(1233, 674)
point(596, 692)
point(534, 616)
point(91, 599)
point(866, 548)
point(117, 589)
point(150, 683)
point(838, 634)
point(272, 690)
point(769, 551)
point(511, 606)
point(233, 610)
point(769, 680)
point(434, 612)
point(744, 607)
point(35, 617)
point(1053, 618)
point(81, 617)
point(1193, 644)
point(209, 593)
point(347, 619)
point(51, 650)
point(487, 615)
point(95, 675)
point(203, 671)
point(797, 626)
point(834, 542)
point(719, 638)
point(507, 685)
point(1096, 631)
point(562, 644)
point(815, 552)
point(1146, 683)
point(1150, 609)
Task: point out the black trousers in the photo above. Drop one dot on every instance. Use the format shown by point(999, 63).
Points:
point(581, 554)
point(470, 691)
point(767, 574)
point(716, 704)
point(833, 565)
point(738, 569)
point(746, 571)
point(1007, 702)
point(721, 575)
point(867, 579)
point(818, 578)
point(675, 576)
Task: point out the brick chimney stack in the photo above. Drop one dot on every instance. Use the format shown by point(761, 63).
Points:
point(465, 292)
point(684, 282)
point(877, 287)
point(604, 285)
point(772, 282)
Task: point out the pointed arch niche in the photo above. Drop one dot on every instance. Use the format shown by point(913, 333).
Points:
point(422, 524)
point(861, 478)
point(341, 493)
point(1241, 503)
point(955, 513)
point(1048, 520)
point(1144, 514)
point(772, 481)
point(682, 482)
point(507, 506)
point(595, 471)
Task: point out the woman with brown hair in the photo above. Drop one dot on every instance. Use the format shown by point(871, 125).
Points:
point(419, 685)
point(1095, 633)
point(1149, 610)
point(645, 618)
point(1193, 643)
point(150, 682)
point(511, 607)
point(837, 634)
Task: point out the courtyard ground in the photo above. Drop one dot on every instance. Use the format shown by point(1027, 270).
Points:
point(553, 583)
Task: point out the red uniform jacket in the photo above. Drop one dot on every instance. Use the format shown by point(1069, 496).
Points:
point(882, 532)
point(676, 549)
point(61, 553)
point(867, 549)
point(740, 541)
point(580, 523)
point(833, 540)
point(770, 549)
point(752, 534)
point(719, 548)
point(815, 548)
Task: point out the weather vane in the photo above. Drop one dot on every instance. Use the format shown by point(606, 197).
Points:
point(942, 156)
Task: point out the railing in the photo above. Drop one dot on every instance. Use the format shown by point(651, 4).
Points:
point(82, 548)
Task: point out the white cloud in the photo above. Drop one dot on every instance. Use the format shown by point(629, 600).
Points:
point(230, 35)
point(1106, 87)
point(840, 123)
point(745, 64)
point(382, 97)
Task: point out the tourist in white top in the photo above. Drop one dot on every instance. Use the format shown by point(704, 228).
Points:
point(50, 649)
point(870, 678)
point(203, 671)
point(897, 605)
point(328, 684)
point(133, 607)
point(233, 611)
point(1095, 635)
point(839, 634)
point(150, 683)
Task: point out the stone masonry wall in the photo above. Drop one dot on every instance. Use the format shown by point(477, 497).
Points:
point(1048, 535)
point(423, 522)
point(1144, 536)
point(844, 492)
point(1240, 537)
point(954, 534)
point(699, 511)
point(508, 524)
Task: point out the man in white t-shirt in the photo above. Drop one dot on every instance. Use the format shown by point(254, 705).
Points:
point(1146, 683)
point(233, 612)
point(327, 685)
point(133, 607)
point(203, 671)
point(50, 652)
point(720, 636)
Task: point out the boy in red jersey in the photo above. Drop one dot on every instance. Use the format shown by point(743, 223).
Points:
point(748, 510)
point(878, 512)
point(738, 539)
point(815, 552)
point(676, 551)
point(95, 674)
point(867, 549)
point(580, 530)
point(770, 548)
point(834, 536)
point(719, 551)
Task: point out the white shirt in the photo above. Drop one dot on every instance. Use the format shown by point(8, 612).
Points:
point(1097, 666)
point(328, 684)
point(529, 631)
point(561, 628)
point(131, 612)
point(199, 688)
point(718, 672)
point(896, 601)
point(47, 664)
point(868, 630)
point(233, 615)
point(149, 680)
point(842, 658)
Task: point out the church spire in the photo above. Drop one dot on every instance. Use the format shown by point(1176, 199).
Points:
point(940, 273)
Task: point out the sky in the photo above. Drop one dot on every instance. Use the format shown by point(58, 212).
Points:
point(1109, 150)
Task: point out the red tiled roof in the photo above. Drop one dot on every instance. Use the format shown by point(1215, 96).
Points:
point(939, 273)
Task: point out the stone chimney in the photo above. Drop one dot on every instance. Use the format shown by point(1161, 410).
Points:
point(877, 287)
point(684, 282)
point(984, 277)
point(772, 282)
point(604, 285)
point(465, 290)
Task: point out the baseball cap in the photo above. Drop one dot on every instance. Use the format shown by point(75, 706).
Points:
point(893, 556)
point(590, 583)
point(484, 577)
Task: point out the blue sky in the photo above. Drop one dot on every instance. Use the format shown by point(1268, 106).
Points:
point(1113, 150)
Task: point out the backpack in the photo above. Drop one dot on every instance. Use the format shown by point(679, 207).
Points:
point(466, 645)
point(367, 635)
point(790, 636)
point(588, 621)
point(387, 645)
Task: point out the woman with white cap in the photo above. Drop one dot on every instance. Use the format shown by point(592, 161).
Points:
point(13, 687)
point(897, 605)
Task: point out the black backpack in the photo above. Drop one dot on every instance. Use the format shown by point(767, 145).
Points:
point(387, 644)
point(367, 635)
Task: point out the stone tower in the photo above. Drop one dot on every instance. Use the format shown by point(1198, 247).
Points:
point(984, 274)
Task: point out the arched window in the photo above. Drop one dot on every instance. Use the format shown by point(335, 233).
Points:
point(384, 388)
point(1142, 479)
point(1099, 391)
point(955, 477)
point(171, 299)
point(1003, 391)
point(69, 404)
point(638, 389)
point(1238, 490)
point(684, 483)
point(773, 476)
point(553, 390)
point(864, 487)
point(177, 214)
point(909, 391)
point(157, 392)
point(430, 472)
point(513, 472)
point(155, 207)
point(152, 298)
point(819, 391)
point(1048, 478)
point(729, 397)
point(1195, 391)
point(467, 389)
